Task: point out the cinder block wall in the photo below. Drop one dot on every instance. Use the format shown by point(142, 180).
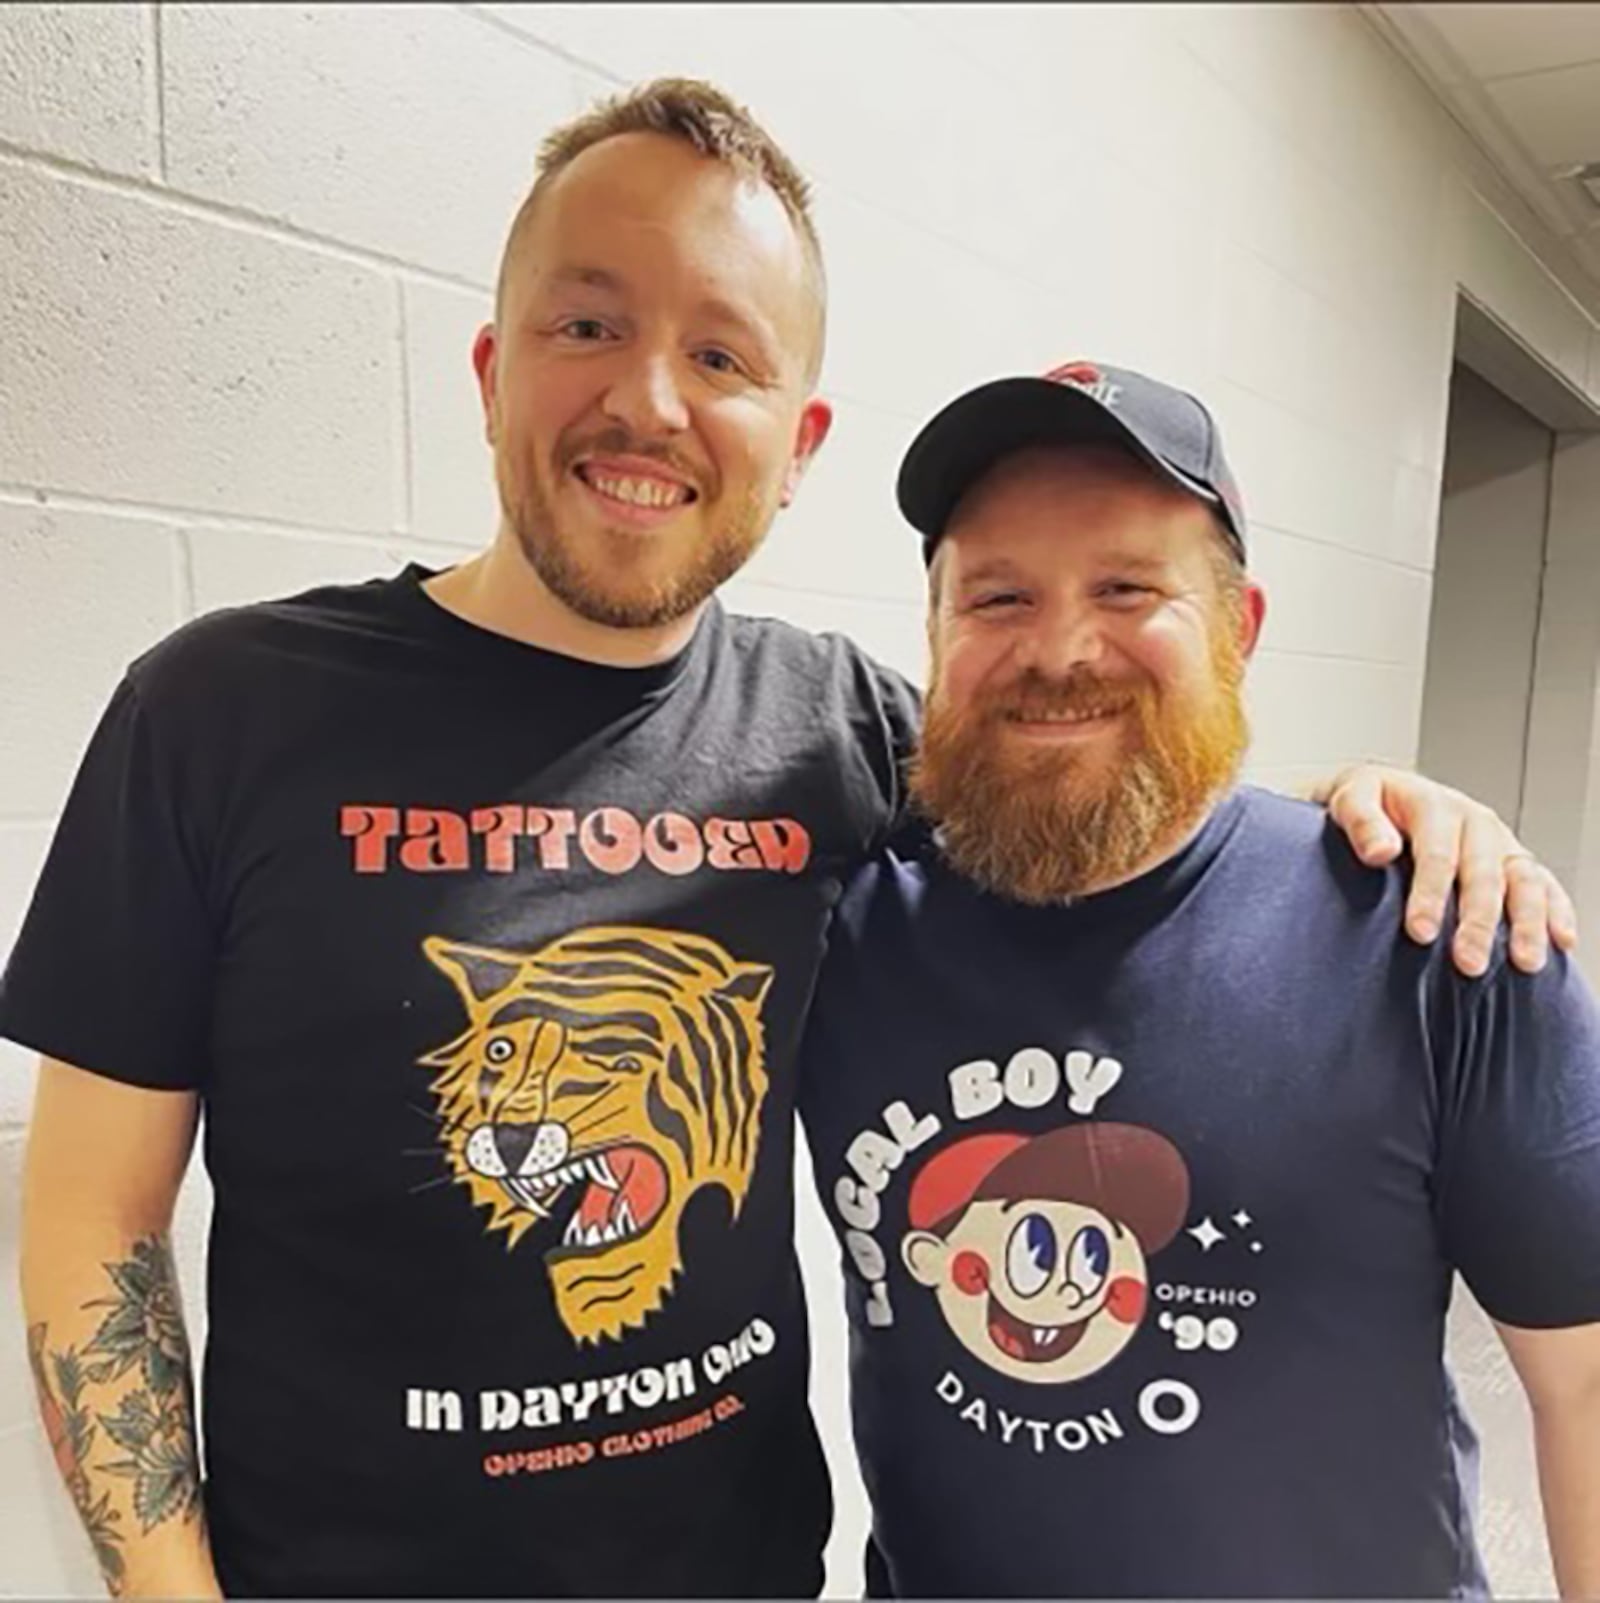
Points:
point(243, 251)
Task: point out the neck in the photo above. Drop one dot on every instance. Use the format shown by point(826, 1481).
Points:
point(1170, 847)
point(499, 590)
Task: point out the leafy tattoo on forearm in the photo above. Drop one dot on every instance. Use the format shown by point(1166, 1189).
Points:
point(154, 1425)
point(151, 1426)
point(70, 1429)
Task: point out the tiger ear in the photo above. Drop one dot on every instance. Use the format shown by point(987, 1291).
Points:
point(476, 973)
point(750, 983)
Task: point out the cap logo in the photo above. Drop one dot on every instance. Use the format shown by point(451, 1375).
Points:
point(1087, 377)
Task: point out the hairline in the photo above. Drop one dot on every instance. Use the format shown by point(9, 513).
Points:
point(746, 172)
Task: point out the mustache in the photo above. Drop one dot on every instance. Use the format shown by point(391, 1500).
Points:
point(1079, 693)
point(619, 442)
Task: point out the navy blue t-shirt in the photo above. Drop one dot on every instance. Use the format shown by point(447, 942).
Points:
point(1151, 1205)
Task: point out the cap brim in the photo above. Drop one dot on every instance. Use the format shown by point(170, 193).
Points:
point(971, 434)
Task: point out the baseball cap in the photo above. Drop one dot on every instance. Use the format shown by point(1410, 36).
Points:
point(1077, 403)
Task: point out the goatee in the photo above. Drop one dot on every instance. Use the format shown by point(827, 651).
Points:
point(598, 580)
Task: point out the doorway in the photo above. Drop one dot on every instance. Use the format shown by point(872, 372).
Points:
point(1488, 584)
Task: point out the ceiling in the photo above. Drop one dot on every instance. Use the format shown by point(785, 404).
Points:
point(1524, 80)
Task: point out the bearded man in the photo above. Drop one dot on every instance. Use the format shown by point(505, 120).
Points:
point(1154, 1154)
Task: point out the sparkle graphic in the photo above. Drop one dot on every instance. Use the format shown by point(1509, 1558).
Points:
point(1255, 1246)
point(1207, 1234)
point(1243, 1220)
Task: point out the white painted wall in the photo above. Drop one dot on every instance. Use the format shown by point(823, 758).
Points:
point(1561, 804)
point(242, 250)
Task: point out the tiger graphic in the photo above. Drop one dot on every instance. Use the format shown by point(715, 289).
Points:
point(624, 1065)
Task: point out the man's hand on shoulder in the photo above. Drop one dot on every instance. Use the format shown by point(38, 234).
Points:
point(1456, 843)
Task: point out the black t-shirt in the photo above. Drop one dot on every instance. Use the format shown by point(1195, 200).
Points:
point(490, 966)
point(1151, 1206)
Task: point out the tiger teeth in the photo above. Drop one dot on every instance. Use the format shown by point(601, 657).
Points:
point(599, 1167)
point(621, 1228)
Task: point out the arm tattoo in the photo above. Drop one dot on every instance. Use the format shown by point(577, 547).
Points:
point(152, 1425)
point(70, 1427)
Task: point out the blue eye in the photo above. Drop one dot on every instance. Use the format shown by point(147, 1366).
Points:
point(1031, 1255)
point(1088, 1259)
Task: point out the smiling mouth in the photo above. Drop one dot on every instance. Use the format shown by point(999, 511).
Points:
point(625, 1190)
point(1031, 1344)
point(637, 492)
point(1065, 718)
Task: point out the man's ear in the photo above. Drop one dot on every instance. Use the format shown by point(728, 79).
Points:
point(816, 418)
point(1252, 615)
point(925, 1256)
point(485, 355)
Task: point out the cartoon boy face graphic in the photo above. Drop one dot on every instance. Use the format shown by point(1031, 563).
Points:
point(1037, 1249)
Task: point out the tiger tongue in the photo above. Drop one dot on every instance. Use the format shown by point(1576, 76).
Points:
point(596, 1207)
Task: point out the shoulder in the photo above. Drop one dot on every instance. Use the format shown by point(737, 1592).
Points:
point(202, 660)
point(827, 661)
point(1293, 849)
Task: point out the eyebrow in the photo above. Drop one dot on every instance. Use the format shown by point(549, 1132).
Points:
point(589, 277)
point(995, 569)
point(1003, 570)
point(718, 312)
point(1139, 564)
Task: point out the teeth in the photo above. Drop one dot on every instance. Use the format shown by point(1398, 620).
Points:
point(600, 1167)
point(625, 1216)
point(557, 1177)
point(1084, 716)
point(639, 492)
point(1044, 1338)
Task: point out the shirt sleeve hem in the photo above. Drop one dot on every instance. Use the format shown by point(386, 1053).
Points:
point(58, 1044)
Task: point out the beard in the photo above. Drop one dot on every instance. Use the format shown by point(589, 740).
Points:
point(601, 581)
point(1043, 826)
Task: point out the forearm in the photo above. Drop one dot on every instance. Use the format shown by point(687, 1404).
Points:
point(110, 1360)
point(1568, 1438)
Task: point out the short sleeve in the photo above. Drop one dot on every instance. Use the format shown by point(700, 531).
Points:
point(900, 707)
point(113, 969)
point(1518, 1182)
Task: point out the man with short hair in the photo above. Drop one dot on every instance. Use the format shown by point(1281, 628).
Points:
point(481, 910)
point(1153, 1152)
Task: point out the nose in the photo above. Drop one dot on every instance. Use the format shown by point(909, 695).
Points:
point(532, 1081)
point(646, 399)
point(513, 1142)
point(1063, 638)
point(548, 1145)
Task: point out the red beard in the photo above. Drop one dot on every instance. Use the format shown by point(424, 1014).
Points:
point(1052, 823)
